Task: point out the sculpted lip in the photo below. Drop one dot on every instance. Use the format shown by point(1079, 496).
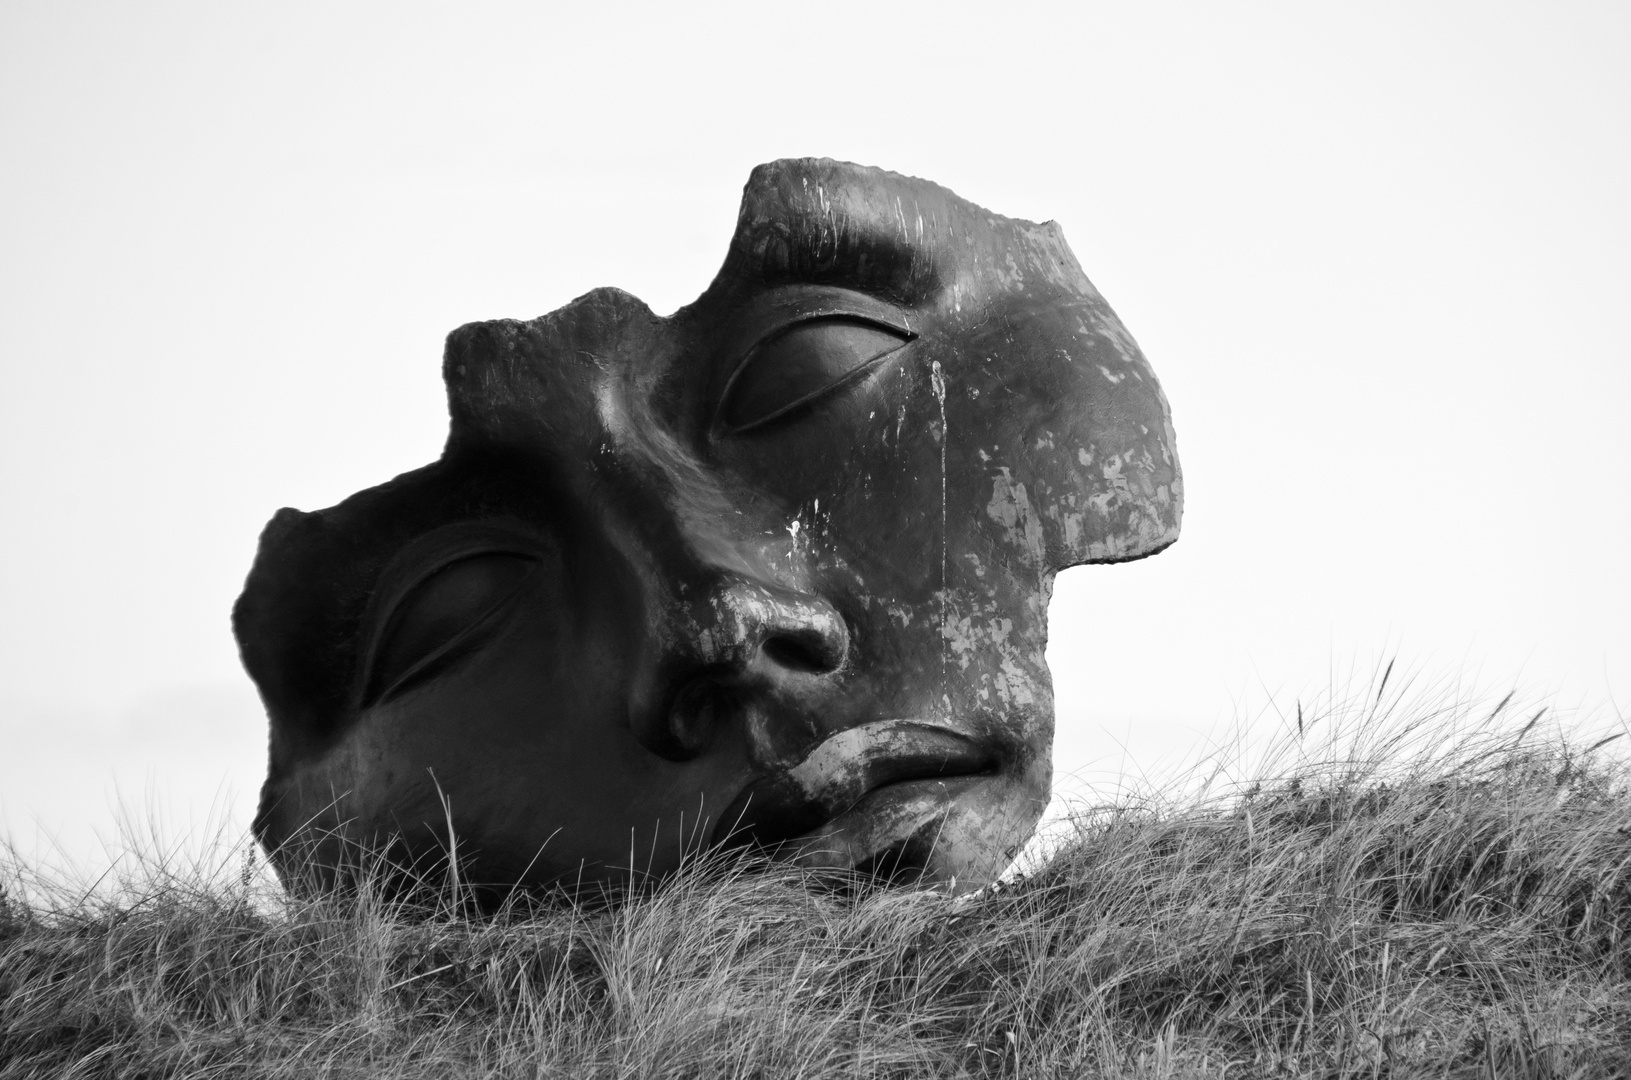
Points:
point(840, 772)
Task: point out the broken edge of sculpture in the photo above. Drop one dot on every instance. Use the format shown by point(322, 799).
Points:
point(772, 572)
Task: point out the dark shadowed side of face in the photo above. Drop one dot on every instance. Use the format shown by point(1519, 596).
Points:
point(772, 572)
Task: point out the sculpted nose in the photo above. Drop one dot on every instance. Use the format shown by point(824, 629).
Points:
point(740, 651)
point(750, 631)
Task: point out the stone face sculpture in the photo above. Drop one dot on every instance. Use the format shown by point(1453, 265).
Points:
point(772, 571)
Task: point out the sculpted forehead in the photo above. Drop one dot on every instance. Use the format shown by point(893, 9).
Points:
point(904, 239)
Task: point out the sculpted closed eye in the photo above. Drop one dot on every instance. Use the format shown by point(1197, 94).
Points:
point(800, 364)
point(442, 618)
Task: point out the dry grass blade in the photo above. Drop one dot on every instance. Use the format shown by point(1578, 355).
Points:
point(1414, 900)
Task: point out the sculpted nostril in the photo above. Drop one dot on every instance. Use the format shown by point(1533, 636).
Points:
point(801, 652)
point(699, 710)
point(754, 630)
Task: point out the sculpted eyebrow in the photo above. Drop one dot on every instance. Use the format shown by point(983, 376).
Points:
point(885, 259)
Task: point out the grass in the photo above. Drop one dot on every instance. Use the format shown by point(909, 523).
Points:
point(1397, 893)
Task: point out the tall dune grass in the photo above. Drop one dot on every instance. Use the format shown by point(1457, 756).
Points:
point(1395, 890)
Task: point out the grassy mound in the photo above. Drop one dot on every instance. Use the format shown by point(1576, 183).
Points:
point(1416, 905)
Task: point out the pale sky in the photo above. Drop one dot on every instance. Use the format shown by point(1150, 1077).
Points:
point(1378, 254)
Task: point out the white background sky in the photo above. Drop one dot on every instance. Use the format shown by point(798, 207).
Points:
point(1379, 255)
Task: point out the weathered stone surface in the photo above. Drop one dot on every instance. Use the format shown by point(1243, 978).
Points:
point(774, 570)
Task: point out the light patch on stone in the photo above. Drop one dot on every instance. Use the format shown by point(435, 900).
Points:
point(1010, 507)
point(1019, 684)
point(609, 408)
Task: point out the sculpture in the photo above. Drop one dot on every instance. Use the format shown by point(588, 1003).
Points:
point(771, 571)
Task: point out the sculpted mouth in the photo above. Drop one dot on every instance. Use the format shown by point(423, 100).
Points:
point(854, 766)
